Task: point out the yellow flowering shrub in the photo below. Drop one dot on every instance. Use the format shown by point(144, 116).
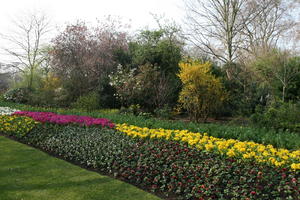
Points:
point(229, 148)
point(16, 125)
point(202, 93)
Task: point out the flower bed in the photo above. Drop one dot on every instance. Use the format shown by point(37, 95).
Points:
point(16, 125)
point(65, 119)
point(7, 111)
point(229, 148)
point(169, 167)
point(173, 162)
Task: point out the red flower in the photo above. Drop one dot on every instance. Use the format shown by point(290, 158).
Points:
point(253, 193)
point(154, 186)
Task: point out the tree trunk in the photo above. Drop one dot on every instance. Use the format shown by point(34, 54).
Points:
point(283, 93)
point(30, 78)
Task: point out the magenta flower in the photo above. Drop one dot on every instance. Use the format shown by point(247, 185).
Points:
point(66, 119)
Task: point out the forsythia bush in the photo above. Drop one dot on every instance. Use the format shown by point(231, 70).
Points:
point(202, 92)
point(229, 148)
point(16, 125)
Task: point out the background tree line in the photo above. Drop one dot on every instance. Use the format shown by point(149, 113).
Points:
point(230, 58)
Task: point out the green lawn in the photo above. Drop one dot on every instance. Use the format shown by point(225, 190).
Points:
point(29, 174)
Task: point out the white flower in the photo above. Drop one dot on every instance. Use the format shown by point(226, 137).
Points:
point(7, 111)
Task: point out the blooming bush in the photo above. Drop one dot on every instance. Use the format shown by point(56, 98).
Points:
point(16, 125)
point(18, 95)
point(7, 111)
point(168, 167)
point(202, 93)
point(229, 148)
point(65, 119)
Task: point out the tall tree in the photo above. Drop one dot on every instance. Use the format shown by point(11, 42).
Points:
point(223, 28)
point(83, 57)
point(273, 20)
point(214, 26)
point(25, 43)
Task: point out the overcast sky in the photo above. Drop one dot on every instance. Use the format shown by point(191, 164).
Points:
point(61, 12)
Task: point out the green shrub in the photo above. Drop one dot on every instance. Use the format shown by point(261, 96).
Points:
point(90, 101)
point(145, 115)
point(133, 109)
point(163, 113)
point(18, 95)
point(2, 99)
point(278, 115)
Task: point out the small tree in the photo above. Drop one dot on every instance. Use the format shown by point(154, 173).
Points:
point(202, 92)
point(83, 57)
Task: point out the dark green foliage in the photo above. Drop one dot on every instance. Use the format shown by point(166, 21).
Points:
point(156, 48)
point(244, 91)
point(166, 166)
point(163, 113)
point(18, 95)
point(133, 109)
point(40, 97)
point(293, 89)
point(162, 51)
point(90, 101)
point(285, 116)
point(107, 94)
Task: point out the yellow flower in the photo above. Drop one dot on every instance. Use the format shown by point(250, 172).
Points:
point(231, 148)
point(295, 166)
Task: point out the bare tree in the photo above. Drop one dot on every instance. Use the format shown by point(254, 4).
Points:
point(215, 26)
point(224, 28)
point(273, 20)
point(25, 43)
point(83, 56)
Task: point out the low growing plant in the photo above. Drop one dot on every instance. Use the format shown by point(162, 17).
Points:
point(49, 117)
point(17, 126)
point(168, 167)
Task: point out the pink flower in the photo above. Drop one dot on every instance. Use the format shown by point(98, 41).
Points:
point(66, 119)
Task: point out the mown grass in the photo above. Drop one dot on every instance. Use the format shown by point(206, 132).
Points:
point(29, 174)
point(279, 139)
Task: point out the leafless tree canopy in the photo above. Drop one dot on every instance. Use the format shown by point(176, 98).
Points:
point(26, 41)
point(214, 26)
point(224, 28)
point(272, 21)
